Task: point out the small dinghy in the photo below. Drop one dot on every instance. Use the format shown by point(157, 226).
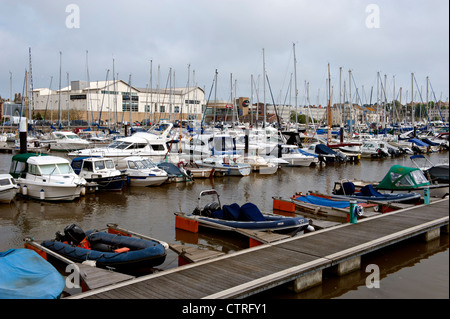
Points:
point(368, 192)
point(108, 250)
point(26, 275)
point(248, 216)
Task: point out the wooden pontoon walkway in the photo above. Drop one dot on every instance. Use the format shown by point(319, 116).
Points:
point(253, 270)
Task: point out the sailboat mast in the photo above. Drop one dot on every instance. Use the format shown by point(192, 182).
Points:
point(412, 100)
point(296, 91)
point(329, 105)
point(264, 88)
point(351, 103)
point(59, 94)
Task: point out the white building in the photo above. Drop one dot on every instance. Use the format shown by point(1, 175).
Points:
point(116, 101)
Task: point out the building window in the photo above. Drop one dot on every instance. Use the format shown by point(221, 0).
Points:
point(78, 97)
point(162, 108)
point(176, 109)
point(126, 102)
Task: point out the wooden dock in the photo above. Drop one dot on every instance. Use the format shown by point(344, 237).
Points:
point(298, 260)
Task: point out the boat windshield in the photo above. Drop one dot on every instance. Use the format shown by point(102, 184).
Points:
point(109, 164)
point(119, 145)
point(73, 137)
point(137, 164)
point(49, 169)
point(99, 165)
point(5, 181)
point(149, 163)
point(419, 177)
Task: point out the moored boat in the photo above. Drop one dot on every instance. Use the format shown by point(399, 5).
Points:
point(401, 179)
point(8, 188)
point(101, 171)
point(225, 165)
point(347, 190)
point(108, 249)
point(26, 275)
point(248, 216)
point(46, 177)
point(327, 207)
point(141, 171)
point(436, 173)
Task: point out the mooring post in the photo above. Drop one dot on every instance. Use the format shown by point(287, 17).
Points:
point(353, 217)
point(23, 135)
point(426, 195)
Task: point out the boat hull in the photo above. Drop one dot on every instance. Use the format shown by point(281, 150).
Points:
point(48, 191)
point(144, 181)
point(110, 183)
point(142, 254)
point(274, 223)
point(8, 194)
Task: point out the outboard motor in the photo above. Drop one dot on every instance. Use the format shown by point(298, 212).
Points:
point(210, 208)
point(73, 234)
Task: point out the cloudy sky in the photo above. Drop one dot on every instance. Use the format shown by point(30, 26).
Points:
point(395, 38)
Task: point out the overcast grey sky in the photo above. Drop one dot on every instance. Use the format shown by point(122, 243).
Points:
point(395, 38)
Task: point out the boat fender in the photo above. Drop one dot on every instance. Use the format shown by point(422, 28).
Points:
point(358, 211)
point(42, 194)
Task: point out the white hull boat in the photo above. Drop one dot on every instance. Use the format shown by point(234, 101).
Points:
point(46, 177)
point(224, 165)
point(8, 188)
point(142, 172)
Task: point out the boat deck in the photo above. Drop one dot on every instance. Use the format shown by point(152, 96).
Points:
point(256, 269)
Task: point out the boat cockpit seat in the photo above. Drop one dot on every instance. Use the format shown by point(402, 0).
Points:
point(369, 190)
point(349, 188)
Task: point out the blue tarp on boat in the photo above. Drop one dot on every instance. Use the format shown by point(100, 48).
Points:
point(323, 149)
point(26, 275)
point(320, 201)
point(418, 142)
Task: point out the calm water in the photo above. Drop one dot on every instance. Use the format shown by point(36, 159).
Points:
point(408, 270)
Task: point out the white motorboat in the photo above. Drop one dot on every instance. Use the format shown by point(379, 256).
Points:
point(8, 188)
point(258, 164)
point(66, 141)
point(138, 144)
point(46, 177)
point(141, 171)
point(294, 155)
point(225, 165)
point(99, 170)
point(374, 149)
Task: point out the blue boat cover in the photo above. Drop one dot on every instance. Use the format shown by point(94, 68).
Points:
point(231, 212)
point(425, 140)
point(246, 212)
point(250, 212)
point(418, 142)
point(26, 275)
point(320, 201)
point(323, 149)
point(369, 190)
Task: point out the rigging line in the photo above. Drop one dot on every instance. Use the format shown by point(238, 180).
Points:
point(48, 96)
point(420, 94)
point(439, 108)
point(274, 106)
point(103, 99)
point(357, 93)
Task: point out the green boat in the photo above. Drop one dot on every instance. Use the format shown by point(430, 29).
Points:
point(410, 179)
